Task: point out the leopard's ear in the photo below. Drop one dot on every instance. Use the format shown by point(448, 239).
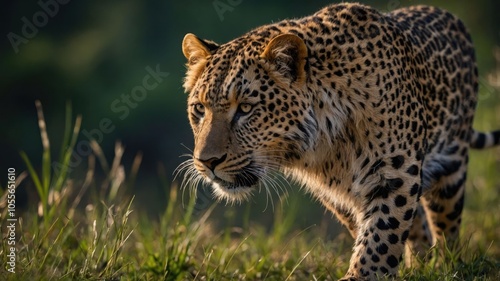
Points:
point(196, 52)
point(195, 48)
point(287, 54)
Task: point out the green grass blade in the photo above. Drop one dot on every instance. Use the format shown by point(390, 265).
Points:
point(61, 177)
point(67, 131)
point(190, 207)
point(46, 169)
point(34, 177)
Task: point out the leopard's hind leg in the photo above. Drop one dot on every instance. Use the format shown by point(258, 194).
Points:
point(443, 198)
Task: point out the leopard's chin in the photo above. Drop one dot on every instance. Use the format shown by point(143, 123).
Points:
point(238, 190)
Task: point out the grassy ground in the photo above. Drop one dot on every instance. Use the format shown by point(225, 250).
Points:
point(106, 237)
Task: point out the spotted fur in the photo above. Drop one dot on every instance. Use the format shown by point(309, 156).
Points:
point(371, 112)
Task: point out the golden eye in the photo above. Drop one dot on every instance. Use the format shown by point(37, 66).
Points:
point(199, 109)
point(245, 108)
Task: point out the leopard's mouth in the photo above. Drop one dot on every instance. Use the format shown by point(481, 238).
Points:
point(239, 189)
point(243, 180)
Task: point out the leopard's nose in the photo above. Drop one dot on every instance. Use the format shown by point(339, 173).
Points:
point(212, 162)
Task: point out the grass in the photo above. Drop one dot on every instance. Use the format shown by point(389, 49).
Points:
point(83, 229)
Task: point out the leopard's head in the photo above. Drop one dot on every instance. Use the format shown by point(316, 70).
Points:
point(249, 108)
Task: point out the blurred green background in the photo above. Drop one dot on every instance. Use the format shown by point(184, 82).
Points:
point(91, 53)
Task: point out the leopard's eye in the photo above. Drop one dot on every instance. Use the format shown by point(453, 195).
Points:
point(245, 108)
point(199, 109)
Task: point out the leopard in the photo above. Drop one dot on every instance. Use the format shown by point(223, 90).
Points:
point(369, 112)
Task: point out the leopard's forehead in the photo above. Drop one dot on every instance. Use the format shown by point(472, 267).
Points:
point(223, 78)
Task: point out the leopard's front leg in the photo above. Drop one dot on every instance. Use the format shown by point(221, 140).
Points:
point(388, 206)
